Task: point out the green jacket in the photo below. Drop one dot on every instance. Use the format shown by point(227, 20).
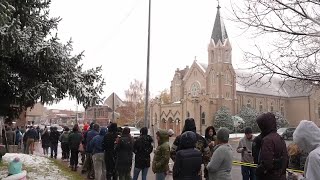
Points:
point(74, 140)
point(162, 154)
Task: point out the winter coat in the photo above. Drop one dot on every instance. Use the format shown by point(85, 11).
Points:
point(256, 146)
point(74, 139)
point(161, 157)
point(124, 150)
point(96, 142)
point(142, 149)
point(246, 153)
point(188, 160)
point(18, 137)
point(64, 137)
point(90, 135)
point(11, 137)
point(54, 137)
point(108, 146)
point(31, 133)
point(307, 137)
point(220, 164)
point(201, 144)
point(45, 139)
point(273, 157)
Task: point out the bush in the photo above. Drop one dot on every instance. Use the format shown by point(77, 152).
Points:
point(249, 116)
point(223, 118)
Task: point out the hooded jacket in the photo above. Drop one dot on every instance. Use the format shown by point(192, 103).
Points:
point(108, 145)
point(273, 158)
point(201, 143)
point(161, 157)
point(142, 149)
point(188, 159)
point(96, 142)
point(307, 136)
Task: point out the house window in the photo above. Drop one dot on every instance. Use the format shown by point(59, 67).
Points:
point(260, 107)
point(249, 104)
point(319, 110)
point(282, 109)
point(203, 118)
point(271, 107)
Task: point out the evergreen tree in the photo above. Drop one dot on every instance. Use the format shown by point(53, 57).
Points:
point(249, 116)
point(281, 120)
point(35, 65)
point(223, 118)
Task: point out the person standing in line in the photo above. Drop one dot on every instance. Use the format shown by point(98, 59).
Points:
point(87, 161)
point(18, 138)
point(11, 136)
point(124, 150)
point(45, 141)
point(30, 137)
point(64, 139)
point(83, 152)
point(142, 149)
point(220, 164)
point(54, 139)
point(109, 150)
point(188, 159)
point(98, 155)
point(273, 156)
point(74, 140)
point(160, 163)
point(90, 135)
point(245, 148)
point(210, 136)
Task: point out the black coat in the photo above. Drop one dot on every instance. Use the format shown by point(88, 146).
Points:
point(187, 165)
point(108, 146)
point(124, 150)
point(142, 149)
point(54, 137)
point(45, 140)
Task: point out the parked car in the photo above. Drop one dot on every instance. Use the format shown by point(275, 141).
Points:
point(135, 132)
point(286, 133)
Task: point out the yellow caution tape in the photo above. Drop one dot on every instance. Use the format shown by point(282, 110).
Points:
point(239, 163)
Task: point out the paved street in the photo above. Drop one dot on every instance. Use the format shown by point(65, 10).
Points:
point(236, 170)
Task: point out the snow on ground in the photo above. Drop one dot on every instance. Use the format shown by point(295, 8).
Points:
point(39, 168)
point(240, 135)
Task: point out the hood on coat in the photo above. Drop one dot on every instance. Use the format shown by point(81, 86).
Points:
point(113, 127)
point(103, 131)
point(307, 136)
point(188, 140)
point(163, 136)
point(267, 123)
point(189, 125)
point(144, 131)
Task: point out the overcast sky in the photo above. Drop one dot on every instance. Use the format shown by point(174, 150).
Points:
point(113, 33)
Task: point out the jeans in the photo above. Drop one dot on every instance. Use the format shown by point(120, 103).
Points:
point(99, 166)
point(160, 176)
point(136, 173)
point(248, 173)
point(54, 149)
point(74, 157)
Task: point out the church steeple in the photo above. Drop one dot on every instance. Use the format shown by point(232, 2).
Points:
point(219, 31)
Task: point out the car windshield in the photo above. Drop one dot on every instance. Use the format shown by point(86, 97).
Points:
point(281, 130)
point(133, 129)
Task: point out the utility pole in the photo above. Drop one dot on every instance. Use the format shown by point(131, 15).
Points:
point(147, 78)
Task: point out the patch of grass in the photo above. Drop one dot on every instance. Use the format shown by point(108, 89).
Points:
point(66, 170)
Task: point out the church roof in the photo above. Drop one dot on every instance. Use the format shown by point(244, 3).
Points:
point(219, 31)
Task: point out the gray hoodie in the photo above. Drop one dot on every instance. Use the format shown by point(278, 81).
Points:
point(307, 136)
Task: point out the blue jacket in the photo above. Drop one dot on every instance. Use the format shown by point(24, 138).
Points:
point(91, 134)
point(96, 142)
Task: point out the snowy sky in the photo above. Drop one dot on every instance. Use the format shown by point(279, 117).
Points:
point(113, 33)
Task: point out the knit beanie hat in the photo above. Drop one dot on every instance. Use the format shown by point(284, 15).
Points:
point(248, 130)
point(223, 135)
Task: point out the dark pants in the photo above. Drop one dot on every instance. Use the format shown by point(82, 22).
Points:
point(74, 157)
point(65, 150)
point(54, 149)
point(248, 173)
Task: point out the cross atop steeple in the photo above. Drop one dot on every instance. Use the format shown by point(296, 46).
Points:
point(218, 4)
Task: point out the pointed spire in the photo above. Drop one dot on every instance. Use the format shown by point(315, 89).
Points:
point(219, 31)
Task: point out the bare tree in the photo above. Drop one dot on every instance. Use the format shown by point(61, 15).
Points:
point(294, 26)
point(135, 99)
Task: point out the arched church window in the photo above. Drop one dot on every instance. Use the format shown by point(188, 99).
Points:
point(170, 120)
point(282, 109)
point(260, 107)
point(271, 107)
point(249, 103)
point(188, 114)
point(203, 118)
point(155, 118)
point(213, 77)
